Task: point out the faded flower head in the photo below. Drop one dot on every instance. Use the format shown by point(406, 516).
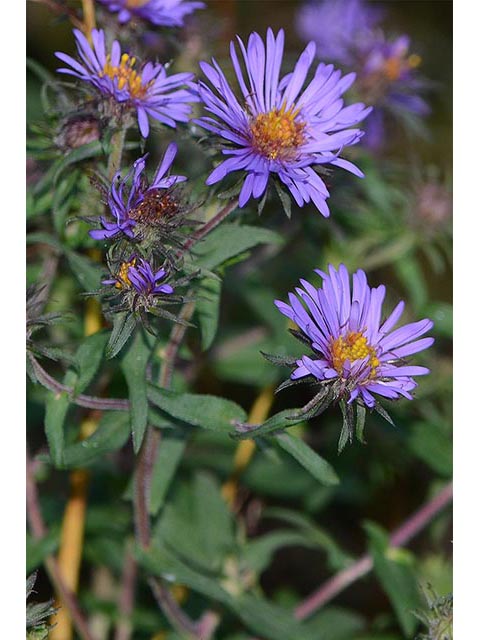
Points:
point(352, 348)
point(145, 89)
point(136, 204)
point(168, 13)
point(277, 126)
point(78, 130)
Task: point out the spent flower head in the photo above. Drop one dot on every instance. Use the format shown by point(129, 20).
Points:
point(355, 355)
point(168, 13)
point(145, 89)
point(277, 127)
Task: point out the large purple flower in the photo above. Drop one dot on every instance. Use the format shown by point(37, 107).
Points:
point(341, 29)
point(168, 13)
point(149, 90)
point(276, 127)
point(350, 342)
point(138, 276)
point(132, 199)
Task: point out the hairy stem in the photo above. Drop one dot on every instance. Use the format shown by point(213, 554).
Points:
point(409, 529)
point(38, 531)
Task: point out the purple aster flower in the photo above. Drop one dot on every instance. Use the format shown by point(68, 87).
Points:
point(168, 13)
point(149, 90)
point(136, 275)
point(351, 345)
point(341, 29)
point(132, 200)
point(277, 127)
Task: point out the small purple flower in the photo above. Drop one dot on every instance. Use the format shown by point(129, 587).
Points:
point(137, 275)
point(149, 90)
point(276, 127)
point(341, 29)
point(128, 197)
point(168, 13)
point(350, 343)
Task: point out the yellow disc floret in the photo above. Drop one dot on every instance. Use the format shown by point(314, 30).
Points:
point(126, 76)
point(353, 346)
point(123, 281)
point(276, 134)
point(134, 4)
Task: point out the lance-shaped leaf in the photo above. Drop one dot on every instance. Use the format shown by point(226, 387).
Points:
point(134, 367)
point(281, 420)
point(170, 451)
point(56, 411)
point(207, 309)
point(208, 412)
point(394, 569)
point(123, 326)
point(87, 272)
point(308, 458)
point(229, 240)
point(87, 359)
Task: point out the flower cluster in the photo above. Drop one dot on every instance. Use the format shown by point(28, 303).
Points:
point(147, 89)
point(352, 347)
point(167, 13)
point(346, 32)
point(279, 126)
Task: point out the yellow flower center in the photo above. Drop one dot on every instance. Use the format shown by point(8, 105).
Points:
point(276, 134)
point(394, 66)
point(126, 76)
point(134, 4)
point(123, 281)
point(353, 347)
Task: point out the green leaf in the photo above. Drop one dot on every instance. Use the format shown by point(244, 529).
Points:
point(134, 367)
point(433, 445)
point(281, 420)
point(38, 549)
point(208, 412)
point(284, 199)
point(123, 326)
point(320, 469)
point(393, 568)
point(335, 623)
point(213, 519)
point(337, 559)
point(87, 359)
point(360, 423)
point(258, 553)
point(269, 620)
point(162, 562)
point(111, 434)
point(170, 451)
point(207, 310)
point(229, 240)
point(87, 272)
point(62, 200)
point(89, 150)
point(56, 410)
point(346, 434)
